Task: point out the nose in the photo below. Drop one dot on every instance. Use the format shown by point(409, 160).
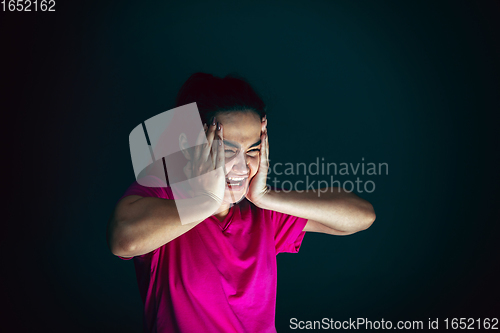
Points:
point(240, 164)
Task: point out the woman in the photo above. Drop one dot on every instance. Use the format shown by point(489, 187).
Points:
point(214, 269)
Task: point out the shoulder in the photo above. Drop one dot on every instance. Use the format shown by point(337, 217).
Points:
point(149, 186)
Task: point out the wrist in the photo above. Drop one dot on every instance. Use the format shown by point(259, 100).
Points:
point(263, 200)
point(197, 208)
point(208, 204)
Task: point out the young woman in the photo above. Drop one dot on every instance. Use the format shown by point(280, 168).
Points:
point(215, 271)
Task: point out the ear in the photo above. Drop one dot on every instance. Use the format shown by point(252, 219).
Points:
point(183, 145)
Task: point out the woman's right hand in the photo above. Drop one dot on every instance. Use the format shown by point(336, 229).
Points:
point(205, 169)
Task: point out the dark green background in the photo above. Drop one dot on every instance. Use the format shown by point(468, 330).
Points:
point(412, 84)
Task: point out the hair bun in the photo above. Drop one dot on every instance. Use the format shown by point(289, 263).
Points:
point(213, 94)
point(199, 76)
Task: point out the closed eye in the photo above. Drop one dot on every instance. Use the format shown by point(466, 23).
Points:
point(231, 153)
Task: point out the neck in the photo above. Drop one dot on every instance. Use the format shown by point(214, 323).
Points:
point(222, 211)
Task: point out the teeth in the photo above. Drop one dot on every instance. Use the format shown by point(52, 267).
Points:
point(236, 179)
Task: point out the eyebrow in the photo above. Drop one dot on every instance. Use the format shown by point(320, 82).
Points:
point(235, 145)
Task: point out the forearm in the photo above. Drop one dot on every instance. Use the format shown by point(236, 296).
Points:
point(343, 211)
point(140, 226)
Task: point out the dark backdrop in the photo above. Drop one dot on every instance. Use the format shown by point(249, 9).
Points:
point(414, 85)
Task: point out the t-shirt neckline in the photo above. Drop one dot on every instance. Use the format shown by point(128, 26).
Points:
point(227, 219)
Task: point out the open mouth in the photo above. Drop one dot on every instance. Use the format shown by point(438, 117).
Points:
point(236, 182)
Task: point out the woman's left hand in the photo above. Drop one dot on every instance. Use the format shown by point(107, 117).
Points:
point(258, 185)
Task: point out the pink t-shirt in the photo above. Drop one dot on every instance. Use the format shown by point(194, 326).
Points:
point(218, 276)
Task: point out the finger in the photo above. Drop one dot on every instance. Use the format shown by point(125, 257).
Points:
point(210, 138)
point(198, 143)
point(264, 150)
point(220, 160)
point(267, 148)
point(189, 171)
point(214, 149)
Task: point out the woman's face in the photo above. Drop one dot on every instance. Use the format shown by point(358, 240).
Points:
point(241, 134)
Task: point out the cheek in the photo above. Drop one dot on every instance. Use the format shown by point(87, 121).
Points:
point(254, 166)
point(229, 165)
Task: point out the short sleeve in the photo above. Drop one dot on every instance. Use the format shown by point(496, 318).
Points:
point(288, 232)
point(125, 258)
point(160, 191)
point(143, 256)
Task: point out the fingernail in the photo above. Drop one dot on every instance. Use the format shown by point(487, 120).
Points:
point(220, 141)
point(213, 121)
point(218, 126)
